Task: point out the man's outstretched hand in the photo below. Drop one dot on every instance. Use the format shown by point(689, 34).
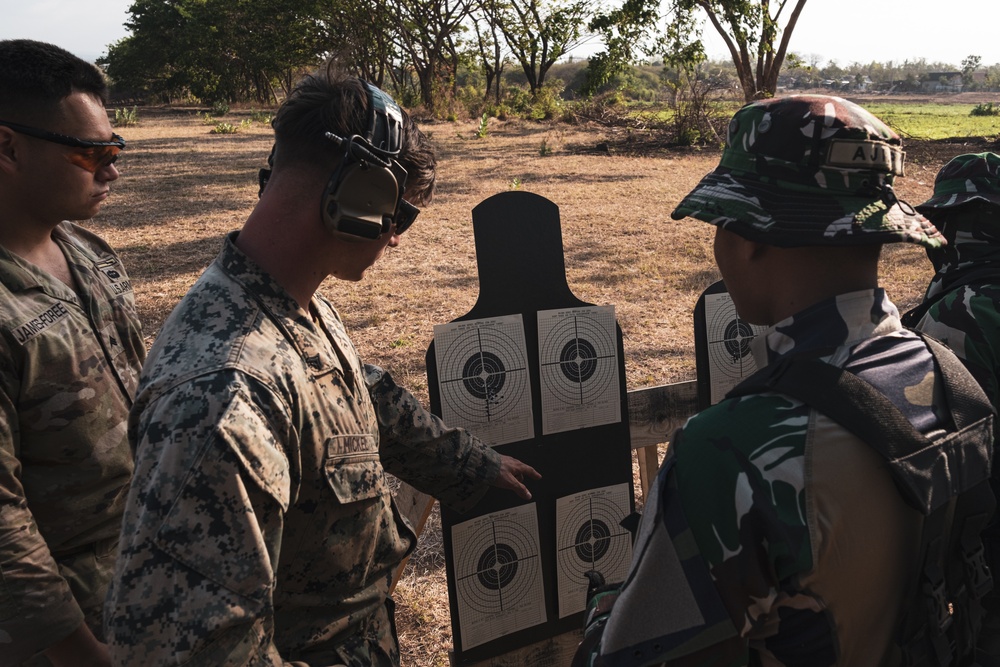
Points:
point(513, 474)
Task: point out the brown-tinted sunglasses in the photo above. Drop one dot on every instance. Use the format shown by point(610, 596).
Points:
point(89, 155)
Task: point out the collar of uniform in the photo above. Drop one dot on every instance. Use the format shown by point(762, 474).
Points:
point(829, 324)
point(312, 343)
point(19, 274)
point(14, 274)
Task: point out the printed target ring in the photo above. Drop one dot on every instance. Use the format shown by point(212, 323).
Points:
point(578, 360)
point(593, 541)
point(497, 567)
point(484, 376)
point(593, 536)
point(729, 340)
point(737, 338)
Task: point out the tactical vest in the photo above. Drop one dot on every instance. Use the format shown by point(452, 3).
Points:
point(943, 475)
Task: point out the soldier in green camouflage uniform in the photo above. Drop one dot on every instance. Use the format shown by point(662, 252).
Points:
point(962, 305)
point(70, 353)
point(260, 529)
point(773, 535)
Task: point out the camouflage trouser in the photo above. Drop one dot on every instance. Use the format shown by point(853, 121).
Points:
point(376, 646)
point(88, 571)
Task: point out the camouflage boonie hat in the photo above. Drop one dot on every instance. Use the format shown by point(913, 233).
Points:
point(809, 170)
point(966, 178)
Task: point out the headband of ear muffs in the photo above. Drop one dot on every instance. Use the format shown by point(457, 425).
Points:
point(364, 193)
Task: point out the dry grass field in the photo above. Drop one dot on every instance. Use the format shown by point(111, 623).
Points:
point(182, 189)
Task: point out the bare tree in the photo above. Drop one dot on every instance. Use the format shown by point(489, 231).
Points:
point(492, 55)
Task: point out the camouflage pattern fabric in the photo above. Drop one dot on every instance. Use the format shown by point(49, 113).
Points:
point(750, 550)
point(965, 178)
point(808, 170)
point(69, 368)
point(961, 307)
point(260, 527)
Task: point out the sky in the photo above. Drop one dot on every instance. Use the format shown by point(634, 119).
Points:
point(845, 31)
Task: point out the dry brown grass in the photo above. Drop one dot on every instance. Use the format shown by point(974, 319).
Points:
point(183, 188)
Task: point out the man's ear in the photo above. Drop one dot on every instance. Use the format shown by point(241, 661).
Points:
point(8, 151)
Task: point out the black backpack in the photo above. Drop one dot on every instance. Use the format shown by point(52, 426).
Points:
point(945, 477)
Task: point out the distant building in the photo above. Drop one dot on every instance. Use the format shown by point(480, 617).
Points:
point(942, 82)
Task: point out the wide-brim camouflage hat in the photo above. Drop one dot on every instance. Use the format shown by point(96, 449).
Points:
point(809, 170)
point(965, 178)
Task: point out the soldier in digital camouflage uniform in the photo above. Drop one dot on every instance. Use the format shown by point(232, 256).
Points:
point(962, 305)
point(259, 529)
point(70, 353)
point(772, 535)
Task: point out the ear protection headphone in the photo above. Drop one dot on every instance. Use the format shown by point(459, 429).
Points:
point(364, 195)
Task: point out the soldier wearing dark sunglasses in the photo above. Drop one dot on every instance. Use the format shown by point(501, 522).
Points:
point(70, 353)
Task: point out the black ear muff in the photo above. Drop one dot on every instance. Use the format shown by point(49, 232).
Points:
point(361, 200)
point(364, 192)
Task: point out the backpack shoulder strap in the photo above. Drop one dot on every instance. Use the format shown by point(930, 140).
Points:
point(942, 477)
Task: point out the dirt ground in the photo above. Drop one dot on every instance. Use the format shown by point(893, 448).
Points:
point(182, 189)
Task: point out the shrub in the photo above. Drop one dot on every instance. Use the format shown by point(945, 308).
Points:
point(262, 117)
point(126, 117)
point(225, 128)
point(987, 109)
point(220, 108)
point(484, 127)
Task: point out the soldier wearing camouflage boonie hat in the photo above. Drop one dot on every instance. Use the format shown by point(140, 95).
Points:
point(973, 177)
point(809, 170)
point(766, 503)
point(961, 306)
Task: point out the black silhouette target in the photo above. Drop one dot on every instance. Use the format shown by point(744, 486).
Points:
point(497, 567)
point(591, 538)
point(484, 375)
point(578, 359)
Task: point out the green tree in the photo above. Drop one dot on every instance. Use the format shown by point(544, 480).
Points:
point(428, 33)
point(362, 36)
point(539, 32)
point(969, 66)
point(750, 29)
point(148, 61)
point(216, 50)
point(627, 38)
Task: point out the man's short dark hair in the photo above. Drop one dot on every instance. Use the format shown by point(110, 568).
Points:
point(35, 77)
point(330, 101)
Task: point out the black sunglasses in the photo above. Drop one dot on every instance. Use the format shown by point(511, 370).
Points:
point(91, 155)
